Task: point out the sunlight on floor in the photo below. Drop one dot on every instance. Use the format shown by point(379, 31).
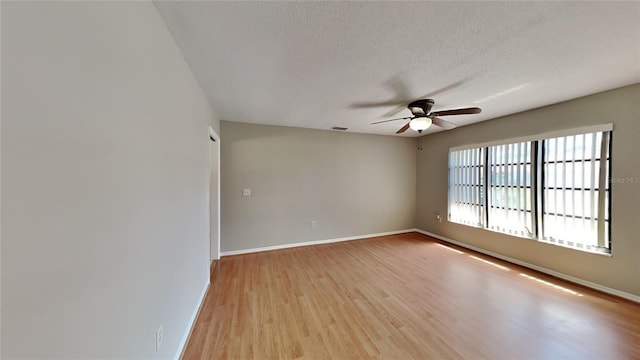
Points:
point(561, 288)
point(550, 284)
point(489, 262)
point(450, 249)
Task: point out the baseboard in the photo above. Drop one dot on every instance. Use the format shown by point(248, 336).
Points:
point(570, 278)
point(316, 242)
point(192, 321)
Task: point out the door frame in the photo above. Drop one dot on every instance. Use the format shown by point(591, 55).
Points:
point(214, 249)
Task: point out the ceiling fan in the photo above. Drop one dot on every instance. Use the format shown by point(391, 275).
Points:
point(423, 117)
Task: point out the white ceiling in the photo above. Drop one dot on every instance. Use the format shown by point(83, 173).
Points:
point(312, 64)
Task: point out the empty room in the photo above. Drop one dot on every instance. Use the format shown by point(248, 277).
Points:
point(320, 180)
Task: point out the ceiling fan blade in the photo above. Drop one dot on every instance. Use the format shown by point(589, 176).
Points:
point(404, 128)
point(384, 121)
point(443, 123)
point(473, 110)
point(403, 92)
point(365, 105)
point(403, 106)
point(396, 109)
point(399, 87)
point(444, 89)
point(398, 105)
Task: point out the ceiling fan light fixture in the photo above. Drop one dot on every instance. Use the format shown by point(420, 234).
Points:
point(420, 123)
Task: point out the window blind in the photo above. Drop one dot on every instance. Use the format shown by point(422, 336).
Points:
point(466, 181)
point(509, 189)
point(575, 190)
point(552, 187)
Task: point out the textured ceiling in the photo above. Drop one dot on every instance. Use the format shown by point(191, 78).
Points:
point(315, 64)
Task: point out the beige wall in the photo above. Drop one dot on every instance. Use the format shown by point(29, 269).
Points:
point(350, 184)
point(621, 107)
point(105, 230)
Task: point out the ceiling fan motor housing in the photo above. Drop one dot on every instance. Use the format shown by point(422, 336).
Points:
point(421, 107)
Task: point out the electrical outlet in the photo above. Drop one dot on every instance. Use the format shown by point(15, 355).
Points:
point(313, 223)
point(438, 217)
point(159, 337)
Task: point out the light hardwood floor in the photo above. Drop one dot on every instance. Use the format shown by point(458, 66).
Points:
point(403, 297)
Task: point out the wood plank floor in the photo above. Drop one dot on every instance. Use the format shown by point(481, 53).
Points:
point(403, 297)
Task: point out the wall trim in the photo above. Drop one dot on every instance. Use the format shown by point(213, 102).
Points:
point(589, 284)
point(196, 312)
point(213, 135)
point(315, 242)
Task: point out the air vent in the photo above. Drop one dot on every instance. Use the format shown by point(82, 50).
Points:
point(339, 128)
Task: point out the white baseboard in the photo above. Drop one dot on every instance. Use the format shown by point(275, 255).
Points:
point(316, 242)
point(192, 321)
point(572, 279)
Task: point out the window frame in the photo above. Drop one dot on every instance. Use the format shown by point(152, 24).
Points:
point(536, 178)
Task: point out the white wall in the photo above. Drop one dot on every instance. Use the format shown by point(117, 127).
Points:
point(350, 184)
point(104, 182)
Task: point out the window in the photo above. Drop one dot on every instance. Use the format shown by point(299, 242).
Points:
point(575, 190)
point(551, 188)
point(466, 181)
point(509, 189)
